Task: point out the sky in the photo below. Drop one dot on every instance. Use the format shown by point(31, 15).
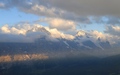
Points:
point(62, 18)
point(19, 16)
point(14, 16)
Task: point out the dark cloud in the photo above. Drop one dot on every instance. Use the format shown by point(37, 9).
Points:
point(89, 7)
point(43, 8)
point(113, 30)
point(77, 10)
point(113, 20)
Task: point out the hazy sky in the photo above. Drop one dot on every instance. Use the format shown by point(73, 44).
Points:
point(101, 17)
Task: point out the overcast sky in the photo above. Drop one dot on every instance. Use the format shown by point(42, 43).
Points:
point(67, 17)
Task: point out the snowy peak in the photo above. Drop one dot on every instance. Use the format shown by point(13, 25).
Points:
point(55, 39)
point(88, 40)
point(38, 28)
point(81, 33)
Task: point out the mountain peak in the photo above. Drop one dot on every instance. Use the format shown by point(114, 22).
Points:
point(81, 33)
point(39, 28)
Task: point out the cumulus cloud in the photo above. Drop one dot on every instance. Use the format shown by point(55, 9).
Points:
point(60, 24)
point(57, 34)
point(97, 35)
point(94, 36)
point(29, 33)
point(42, 10)
point(108, 35)
point(21, 33)
point(5, 29)
point(15, 30)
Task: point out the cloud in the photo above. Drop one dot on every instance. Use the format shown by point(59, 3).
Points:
point(77, 10)
point(81, 10)
point(57, 34)
point(22, 33)
point(26, 32)
point(5, 29)
point(92, 35)
point(113, 30)
point(54, 12)
point(80, 7)
point(95, 35)
point(60, 24)
point(29, 33)
point(114, 20)
point(44, 8)
point(111, 34)
point(89, 7)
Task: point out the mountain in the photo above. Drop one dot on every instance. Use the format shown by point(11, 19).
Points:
point(87, 40)
point(47, 43)
point(62, 56)
point(38, 29)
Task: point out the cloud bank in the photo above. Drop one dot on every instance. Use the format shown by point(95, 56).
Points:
point(77, 10)
point(30, 32)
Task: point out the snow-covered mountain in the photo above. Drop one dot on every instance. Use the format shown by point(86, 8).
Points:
point(89, 41)
point(52, 40)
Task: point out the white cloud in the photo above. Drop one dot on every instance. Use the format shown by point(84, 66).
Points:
point(5, 29)
point(57, 34)
point(21, 33)
point(95, 35)
point(21, 29)
point(41, 10)
point(60, 24)
point(28, 33)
